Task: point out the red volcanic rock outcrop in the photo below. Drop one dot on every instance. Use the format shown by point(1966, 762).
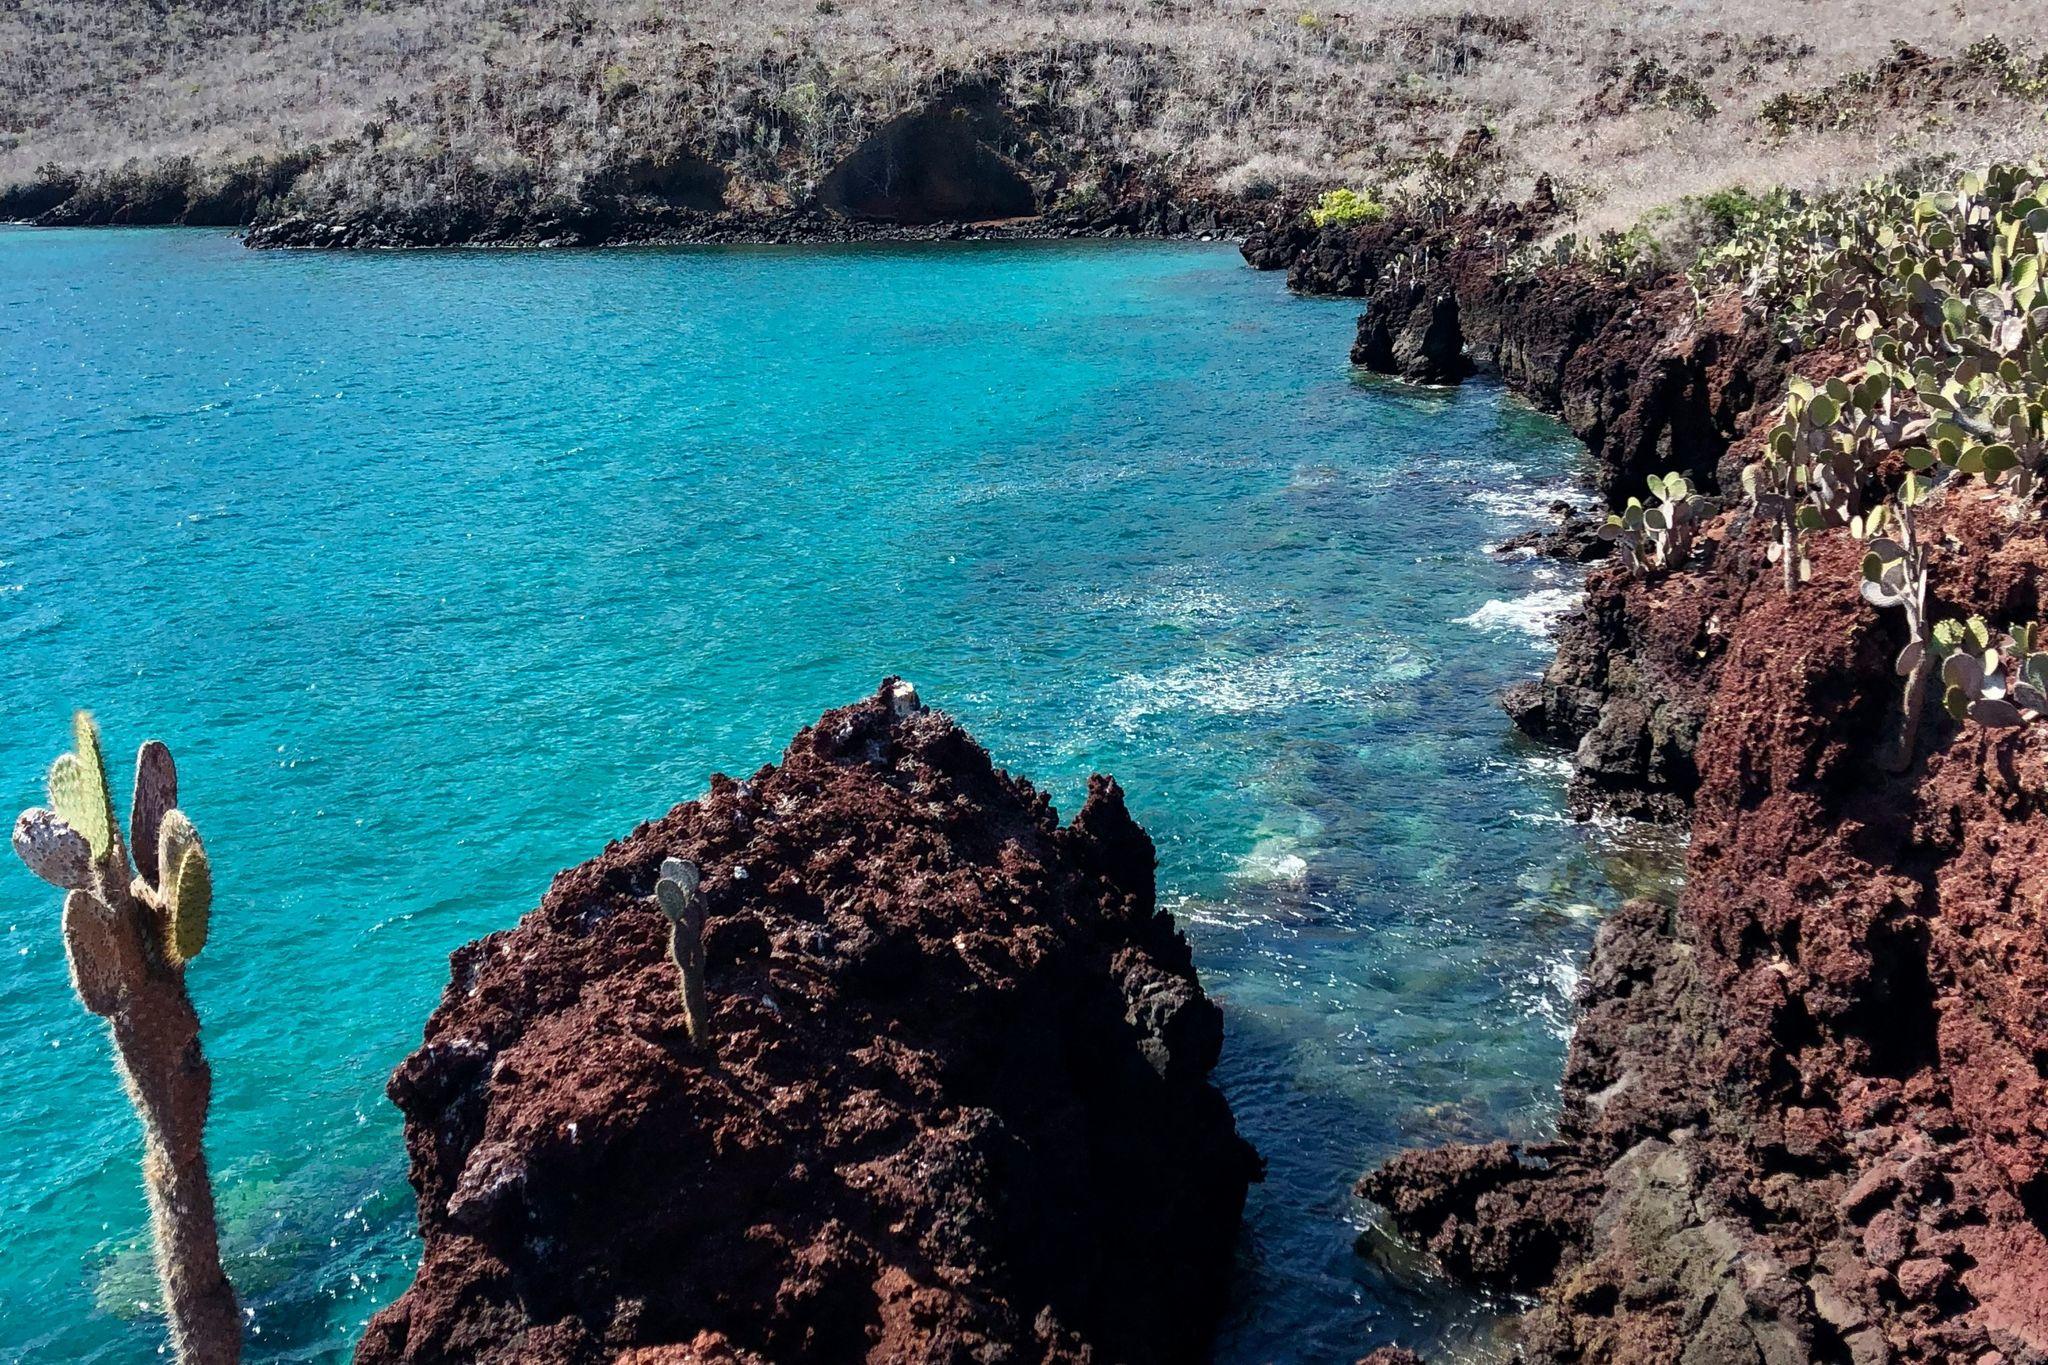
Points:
point(1805, 1117)
point(957, 1109)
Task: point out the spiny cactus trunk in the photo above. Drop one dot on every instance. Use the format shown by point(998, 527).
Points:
point(1907, 740)
point(687, 952)
point(156, 1043)
point(679, 896)
point(1789, 558)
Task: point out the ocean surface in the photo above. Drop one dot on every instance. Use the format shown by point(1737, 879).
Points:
point(438, 571)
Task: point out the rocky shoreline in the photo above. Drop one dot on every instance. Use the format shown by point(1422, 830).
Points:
point(1149, 213)
point(955, 1104)
point(967, 164)
point(1803, 1115)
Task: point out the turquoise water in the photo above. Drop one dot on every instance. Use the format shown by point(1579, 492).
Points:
point(440, 570)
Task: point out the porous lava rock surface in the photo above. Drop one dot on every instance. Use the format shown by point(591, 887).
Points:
point(957, 1106)
point(1805, 1111)
point(1805, 1116)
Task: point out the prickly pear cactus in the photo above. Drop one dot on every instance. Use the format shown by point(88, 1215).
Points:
point(127, 940)
point(682, 901)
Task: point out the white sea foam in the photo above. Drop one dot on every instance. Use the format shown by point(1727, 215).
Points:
point(1353, 673)
point(1556, 988)
point(1526, 503)
point(1530, 614)
point(1272, 860)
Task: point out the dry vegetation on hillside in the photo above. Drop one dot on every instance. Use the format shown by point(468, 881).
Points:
point(1625, 105)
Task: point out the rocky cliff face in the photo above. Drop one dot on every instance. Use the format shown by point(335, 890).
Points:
point(1804, 1114)
point(957, 1108)
point(1805, 1117)
point(1648, 381)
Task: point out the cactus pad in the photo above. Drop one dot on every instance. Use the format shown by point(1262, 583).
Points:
point(174, 835)
point(683, 874)
point(79, 796)
point(156, 791)
point(52, 849)
point(93, 953)
point(187, 904)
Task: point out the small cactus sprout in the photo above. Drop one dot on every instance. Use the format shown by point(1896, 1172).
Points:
point(1895, 575)
point(127, 939)
point(1672, 521)
point(1626, 529)
point(682, 901)
point(1776, 485)
point(2030, 670)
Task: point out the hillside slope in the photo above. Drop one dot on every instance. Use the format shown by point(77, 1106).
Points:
point(590, 120)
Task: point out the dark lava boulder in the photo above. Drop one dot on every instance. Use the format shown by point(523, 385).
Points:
point(957, 1106)
point(1412, 330)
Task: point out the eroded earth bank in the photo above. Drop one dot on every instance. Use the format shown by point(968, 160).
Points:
point(1803, 1116)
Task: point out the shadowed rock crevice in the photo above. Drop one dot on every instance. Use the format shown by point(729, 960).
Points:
point(943, 164)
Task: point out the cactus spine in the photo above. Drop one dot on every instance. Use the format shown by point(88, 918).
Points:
point(127, 938)
point(680, 899)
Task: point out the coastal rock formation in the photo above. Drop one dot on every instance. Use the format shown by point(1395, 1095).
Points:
point(1628, 688)
point(1805, 1117)
point(1648, 382)
point(968, 160)
point(1413, 331)
point(178, 191)
point(957, 1107)
point(1805, 1114)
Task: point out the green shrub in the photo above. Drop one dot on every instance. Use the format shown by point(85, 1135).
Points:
point(1346, 208)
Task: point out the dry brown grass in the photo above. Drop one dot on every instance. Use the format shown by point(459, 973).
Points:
point(1232, 95)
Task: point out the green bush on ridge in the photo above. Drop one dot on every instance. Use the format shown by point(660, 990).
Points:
point(1346, 208)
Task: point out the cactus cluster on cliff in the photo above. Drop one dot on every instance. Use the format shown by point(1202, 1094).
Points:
point(1943, 297)
point(129, 932)
point(1658, 535)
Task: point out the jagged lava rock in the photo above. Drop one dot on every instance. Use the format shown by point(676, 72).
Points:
point(1805, 1115)
point(1645, 378)
point(957, 1109)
